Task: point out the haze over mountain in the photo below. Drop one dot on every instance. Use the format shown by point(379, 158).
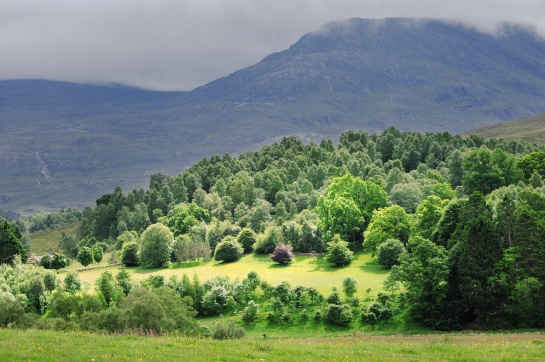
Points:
point(65, 144)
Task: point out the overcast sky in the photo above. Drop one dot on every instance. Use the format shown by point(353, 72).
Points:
point(182, 44)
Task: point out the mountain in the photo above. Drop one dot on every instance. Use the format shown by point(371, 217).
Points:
point(65, 144)
point(531, 129)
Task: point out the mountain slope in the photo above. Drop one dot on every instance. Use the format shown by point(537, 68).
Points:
point(354, 74)
point(531, 129)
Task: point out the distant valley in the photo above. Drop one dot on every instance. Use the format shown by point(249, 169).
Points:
point(64, 144)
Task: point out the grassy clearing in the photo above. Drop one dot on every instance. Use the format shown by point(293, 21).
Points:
point(528, 130)
point(36, 345)
point(307, 271)
point(44, 242)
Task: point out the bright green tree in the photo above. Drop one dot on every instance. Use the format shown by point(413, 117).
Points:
point(156, 243)
point(428, 214)
point(348, 206)
point(387, 223)
point(424, 275)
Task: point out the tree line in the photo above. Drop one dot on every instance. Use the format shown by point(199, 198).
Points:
point(457, 219)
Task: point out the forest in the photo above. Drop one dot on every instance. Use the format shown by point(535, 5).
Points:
point(458, 221)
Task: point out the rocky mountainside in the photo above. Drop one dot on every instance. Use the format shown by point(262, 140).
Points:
point(418, 75)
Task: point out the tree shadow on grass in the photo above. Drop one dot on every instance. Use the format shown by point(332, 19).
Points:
point(188, 264)
point(321, 265)
point(373, 267)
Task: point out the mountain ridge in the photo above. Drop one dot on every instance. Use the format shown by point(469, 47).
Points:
point(416, 75)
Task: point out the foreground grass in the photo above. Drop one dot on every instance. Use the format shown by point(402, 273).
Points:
point(33, 345)
point(307, 271)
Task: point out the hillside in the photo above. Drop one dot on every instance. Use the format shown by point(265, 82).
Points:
point(530, 129)
point(66, 144)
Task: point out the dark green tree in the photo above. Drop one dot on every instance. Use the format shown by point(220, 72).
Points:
point(85, 256)
point(10, 243)
point(228, 250)
point(338, 252)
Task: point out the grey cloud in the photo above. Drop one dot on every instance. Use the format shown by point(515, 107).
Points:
point(181, 44)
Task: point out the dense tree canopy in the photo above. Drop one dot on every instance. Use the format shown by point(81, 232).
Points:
point(467, 213)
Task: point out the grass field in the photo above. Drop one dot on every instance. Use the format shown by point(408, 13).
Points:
point(33, 345)
point(307, 271)
point(528, 130)
point(44, 242)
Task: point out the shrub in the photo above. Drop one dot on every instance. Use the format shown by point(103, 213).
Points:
point(46, 261)
point(282, 254)
point(228, 250)
point(227, 331)
point(249, 314)
point(338, 315)
point(380, 311)
point(389, 251)
point(334, 297)
point(350, 286)
point(218, 298)
point(11, 311)
point(318, 316)
point(338, 252)
point(59, 261)
point(368, 317)
point(129, 254)
point(355, 302)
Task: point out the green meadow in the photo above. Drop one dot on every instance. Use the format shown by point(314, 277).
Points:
point(34, 345)
point(307, 271)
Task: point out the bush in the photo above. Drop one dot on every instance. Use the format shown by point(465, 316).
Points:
point(11, 311)
point(282, 254)
point(46, 261)
point(368, 317)
point(389, 251)
point(338, 252)
point(334, 297)
point(247, 239)
point(350, 286)
point(228, 250)
point(59, 261)
point(129, 254)
point(227, 331)
point(338, 315)
point(283, 292)
point(249, 314)
point(380, 311)
point(355, 302)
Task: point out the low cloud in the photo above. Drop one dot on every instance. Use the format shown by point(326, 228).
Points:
point(172, 44)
